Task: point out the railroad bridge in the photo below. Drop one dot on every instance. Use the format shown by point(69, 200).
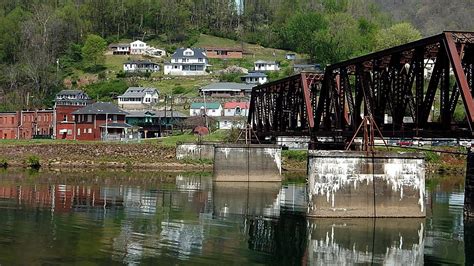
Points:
point(394, 86)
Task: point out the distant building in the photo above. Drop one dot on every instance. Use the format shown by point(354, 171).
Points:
point(255, 78)
point(298, 68)
point(36, 124)
point(224, 53)
point(187, 62)
point(141, 66)
point(153, 123)
point(101, 121)
point(120, 48)
point(261, 65)
point(9, 122)
point(429, 67)
point(290, 56)
point(154, 52)
point(66, 102)
point(210, 109)
point(230, 122)
point(226, 89)
point(138, 47)
point(236, 109)
point(138, 98)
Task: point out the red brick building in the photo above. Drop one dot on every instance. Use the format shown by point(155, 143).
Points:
point(100, 121)
point(224, 53)
point(66, 102)
point(36, 124)
point(9, 122)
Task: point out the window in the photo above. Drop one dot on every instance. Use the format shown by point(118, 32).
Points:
point(114, 118)
point(78, 131)
point(220, 53)
point(200, 60)
point(69, 132)
point(65, 118)
point(213, 111)
point(89, 118)
point(89, 131)
point(85, 130)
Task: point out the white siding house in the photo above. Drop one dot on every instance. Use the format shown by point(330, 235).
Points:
point(210, 109)
point(187, 62)
point(255, 78)
point(140, 66)
point(236, 109)
point(137, 47)
point(261, 65)
point(138, 97)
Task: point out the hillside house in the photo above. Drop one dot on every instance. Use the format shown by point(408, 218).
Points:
point(298, 68)
point(230, 122)
point(65, 103)
point(155, 52)
point(138, 98)
point(255, 78)
point(290, 56)
point(101, 121)
point(140, 66)
point(120, 48)
point(261, 65)
point(236, 109)
point(187, 62)
point(210, 109)
point(226, 89)
point(138, 47)
point(224, 53)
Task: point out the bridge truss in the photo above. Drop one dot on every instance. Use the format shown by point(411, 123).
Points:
point(393, 86)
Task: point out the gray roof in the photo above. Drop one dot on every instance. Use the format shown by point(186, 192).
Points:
point(255, 75)
point(153, 113)
point(71, 92)
point(138, 92)
point(265, 62)
point(198, 53)
point(100, 108)
point(227, 86)
point(143, 62)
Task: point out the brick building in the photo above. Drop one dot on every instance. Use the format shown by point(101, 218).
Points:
point(9, 122)
point(36, 124)
point(66, 102)
point(100, 121)
point(224, 53)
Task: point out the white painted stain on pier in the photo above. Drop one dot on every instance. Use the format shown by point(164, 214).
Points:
point(328, 175)
point(276, 155)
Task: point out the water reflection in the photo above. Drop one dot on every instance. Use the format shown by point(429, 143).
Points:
point(102, 218)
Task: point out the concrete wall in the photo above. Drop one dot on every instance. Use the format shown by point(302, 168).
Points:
point(469, 188)
point(352, 184)
point(247, 163)
point(195, 151)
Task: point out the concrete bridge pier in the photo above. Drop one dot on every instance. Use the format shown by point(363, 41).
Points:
point(247, 163)
point(360, 184)
point(469, 188)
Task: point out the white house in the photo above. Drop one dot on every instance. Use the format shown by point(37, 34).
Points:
point(210, 109)
point(226, 89)
point(261, 65)
point(138, 98)
point(255, 78)
point(154, 52)
point(187, 62)
point(137, 47)
point(236, 109)
point(140, 66)
point(120, 48)
point(229, 122)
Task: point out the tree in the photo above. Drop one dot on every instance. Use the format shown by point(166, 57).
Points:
point(93, 51)
point(397, 34)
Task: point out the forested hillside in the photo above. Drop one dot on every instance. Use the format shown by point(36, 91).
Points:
point(44, 41)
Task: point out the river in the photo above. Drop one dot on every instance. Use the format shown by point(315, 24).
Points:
point(142, 217)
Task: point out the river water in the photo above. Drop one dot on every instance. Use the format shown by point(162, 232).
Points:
point(160, 218)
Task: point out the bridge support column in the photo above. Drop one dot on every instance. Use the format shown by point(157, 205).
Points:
point(469, 188)
point(360, 184)
point(247, 163)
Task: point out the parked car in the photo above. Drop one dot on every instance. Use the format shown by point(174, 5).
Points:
point(405, 143)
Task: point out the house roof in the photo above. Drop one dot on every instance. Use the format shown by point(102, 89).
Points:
point(255, 75)
point(265, 62)
point(233, 49)
point(198, 53)
point(153, 113)
point(226, 86)
point(138, 92)
point(212, 105)
point(233, 105)
point(146, 62)
point(100, 108)
point(71, 92)
point(138, 41)
point(230, 118)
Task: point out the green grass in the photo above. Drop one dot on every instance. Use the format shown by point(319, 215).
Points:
point(214, 41)
point(218, 135)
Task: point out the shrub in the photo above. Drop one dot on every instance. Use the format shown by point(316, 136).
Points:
point(33, 162)
point(3, 163)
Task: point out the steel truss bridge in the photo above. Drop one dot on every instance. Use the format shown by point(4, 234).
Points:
point(392, 86)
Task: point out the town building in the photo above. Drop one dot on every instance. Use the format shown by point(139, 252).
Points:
point(226, 89)
point(120, 48)
point(209, 109)
point(101, 121)
point(154, 52)
point(290, 56)
point(261, 65)
point(224, 53)
point(9, 122)
point(230, 122)
point(153, 123)
point(36, 124)
point(187, 62)
point(255, 78)
point(298, 68)
point(140, 66)
point(138, 47)
point(236, 109)
point(65, 103)
point(138, 98)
